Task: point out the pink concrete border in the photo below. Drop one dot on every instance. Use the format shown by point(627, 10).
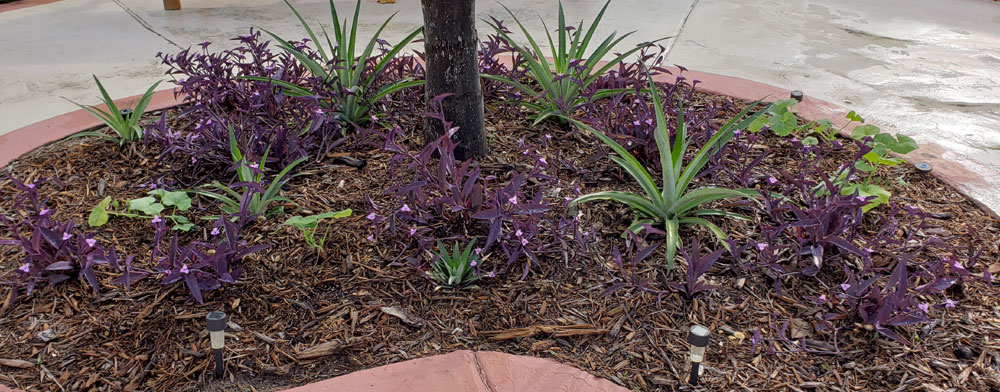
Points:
point(468, 371)
point(23, 4)
point(20, 141)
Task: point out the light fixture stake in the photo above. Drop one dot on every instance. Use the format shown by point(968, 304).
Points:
point(216, 322)
point(698, 338)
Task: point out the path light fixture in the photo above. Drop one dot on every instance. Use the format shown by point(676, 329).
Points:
point(217, 334)
point(125, 113)
point(923, 167)
point(797, 95)
point(698, 337)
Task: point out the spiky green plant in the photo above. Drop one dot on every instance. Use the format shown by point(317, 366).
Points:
point(572, 69)
point(341, 70)
point(456, 268)
point(127, 129)
point(675, 204)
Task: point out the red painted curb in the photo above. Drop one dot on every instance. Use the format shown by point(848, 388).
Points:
point(30, 137)
point(467, 371)
point(23, 4)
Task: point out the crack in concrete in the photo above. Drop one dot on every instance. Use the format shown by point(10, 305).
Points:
point(144, 24)
point(677, 32)
point(480, 372)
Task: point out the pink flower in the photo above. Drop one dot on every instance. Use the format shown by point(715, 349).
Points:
point(636, 123)
point(371, 216)
point(413, 231)
point(772, 180)
point(518, 233)
point(845, 286)
point(91, 242)
point(184, 269)
point(67, 236)
point(478, 251)
point(405, 208)
point(215, 231)
point(761, 246)
point(513, 199)
point(26, 268)
point(473, 263)
point(822, 298)
point(524, 242)
point(156, 219)
point(948, 303)
point(548, 137)
point(924, 308)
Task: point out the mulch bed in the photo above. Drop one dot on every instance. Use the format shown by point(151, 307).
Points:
point(292, 299)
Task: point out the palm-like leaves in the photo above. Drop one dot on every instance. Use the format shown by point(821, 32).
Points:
point(571, 69)
point(341, 69)
point(673, 205)
point(127, 129)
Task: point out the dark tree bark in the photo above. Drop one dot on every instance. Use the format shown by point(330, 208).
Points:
point(451, 45)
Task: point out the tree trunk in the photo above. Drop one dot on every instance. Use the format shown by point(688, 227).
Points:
point(451, 45)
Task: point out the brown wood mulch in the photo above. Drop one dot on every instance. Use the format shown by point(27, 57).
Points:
point(298, 316)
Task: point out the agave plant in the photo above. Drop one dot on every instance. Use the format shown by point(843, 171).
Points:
point(675, 204)
point(571, 71)
point(341, 70)
point(126, 127)
point(456, 268)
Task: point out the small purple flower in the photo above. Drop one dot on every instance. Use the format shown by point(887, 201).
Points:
point(473, 263)
point(924, 308)
point(513, 199)
point(491, 274)
point(197, 126)
point(67, 236)
point(413, 231)
point(184, 269)
point(44, 211)
point(478, 251)
point(761, 246)
point(548, 137)
point(948, 303)
point(374, 118)
point(543, 161)
point(254, 166)
point(215, 231)
point(30, 186)
point(156, 219)
point(194, 160)
point(318, 111)
point(958, 265)
point(524, 242)
point(737, 132)
point(649, 121)
point(405, 208)
point(26, 268)
point(371, 216)
point(168, 271)
point(518, 233)
point(845, 286)
point(860, 198)
point(822, 298)
point(636, 123)
point(772, 180)
point(91, 242)
point(371, 238)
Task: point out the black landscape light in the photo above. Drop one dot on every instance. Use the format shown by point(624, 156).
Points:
point(125, 113)
point(698, 337)
point(217, 334)
point(797, 95)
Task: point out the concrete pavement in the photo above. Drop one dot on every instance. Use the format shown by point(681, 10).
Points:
point(931, 68)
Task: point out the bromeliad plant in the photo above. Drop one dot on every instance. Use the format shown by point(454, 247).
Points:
point(126, 126)
point(456, 268)
point(673, 205)
point(353, 77)
point(572, 70)
point(256, 195)
point(308, 225)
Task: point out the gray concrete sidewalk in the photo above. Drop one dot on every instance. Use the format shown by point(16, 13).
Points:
point(929, 67)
